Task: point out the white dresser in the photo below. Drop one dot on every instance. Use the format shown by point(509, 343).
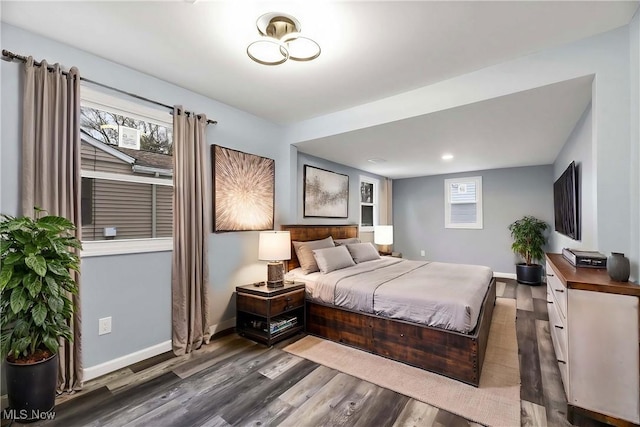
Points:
point(594, 324)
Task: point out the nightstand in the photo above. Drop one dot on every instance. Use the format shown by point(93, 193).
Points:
point(393, 254)
point(269, 315)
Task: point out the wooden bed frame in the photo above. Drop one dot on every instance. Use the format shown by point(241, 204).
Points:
point(453, 354)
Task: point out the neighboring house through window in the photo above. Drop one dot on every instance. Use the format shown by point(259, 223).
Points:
point(127, 176)
point(463, 202)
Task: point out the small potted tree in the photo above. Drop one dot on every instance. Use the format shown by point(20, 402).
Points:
point(528, 241)
point(35, 307)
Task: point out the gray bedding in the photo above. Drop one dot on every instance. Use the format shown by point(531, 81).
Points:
point(443, 295)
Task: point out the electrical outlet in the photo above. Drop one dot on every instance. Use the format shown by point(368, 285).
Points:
point(104, 325)
point(422, 253)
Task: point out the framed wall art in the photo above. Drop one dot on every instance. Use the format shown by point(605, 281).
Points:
point(243, 190)
point(326, 193)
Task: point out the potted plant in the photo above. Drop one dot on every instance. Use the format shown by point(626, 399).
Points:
point(528, 241)
point(36, 306)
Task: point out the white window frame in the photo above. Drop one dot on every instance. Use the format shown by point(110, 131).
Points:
point(92, 248)
point(99, 100)
point(478, 224)
point(94, 99)
point(375, 203)
point(110, 176)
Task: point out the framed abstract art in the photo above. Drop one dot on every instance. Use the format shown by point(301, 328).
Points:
point(326, 193)
point(243, 190)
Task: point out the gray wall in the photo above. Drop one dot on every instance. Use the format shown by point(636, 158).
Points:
point(134, 289)
point(507, 195)
point(634, 159)
point(612, 158)
point(579, 148)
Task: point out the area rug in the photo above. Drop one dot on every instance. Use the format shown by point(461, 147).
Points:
point(496, 402)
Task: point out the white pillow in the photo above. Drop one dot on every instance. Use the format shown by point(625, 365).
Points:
point(330, 259)
point(342, 242)
point(305, 256)
point(361, 252)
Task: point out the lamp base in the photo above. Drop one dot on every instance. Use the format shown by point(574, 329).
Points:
point(275, 284)
point(275, 275)
point(384, 249)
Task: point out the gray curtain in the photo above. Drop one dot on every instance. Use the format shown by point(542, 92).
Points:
point(191, 225)
point(51, 173)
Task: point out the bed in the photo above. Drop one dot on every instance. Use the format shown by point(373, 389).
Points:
point(457, 355)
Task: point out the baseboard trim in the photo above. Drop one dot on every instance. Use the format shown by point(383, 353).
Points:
point(126, 360)
point(222, 326)
point(146, 353)
point(499, 275)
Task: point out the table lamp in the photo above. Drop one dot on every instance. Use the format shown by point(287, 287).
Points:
point(275, 247)
point(383, 236)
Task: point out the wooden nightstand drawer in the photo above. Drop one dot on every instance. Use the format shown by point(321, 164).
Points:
point(270, 306)
point(287, 302)
point(252, 304)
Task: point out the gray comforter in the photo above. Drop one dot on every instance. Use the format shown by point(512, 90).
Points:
point(437, 294)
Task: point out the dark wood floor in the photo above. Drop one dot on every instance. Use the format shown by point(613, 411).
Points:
point(233, 381)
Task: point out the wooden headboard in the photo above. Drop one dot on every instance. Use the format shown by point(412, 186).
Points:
point(304, 233)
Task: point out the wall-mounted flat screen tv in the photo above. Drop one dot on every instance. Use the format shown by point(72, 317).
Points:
point(566, 206)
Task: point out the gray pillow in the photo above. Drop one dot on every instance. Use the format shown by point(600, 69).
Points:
point(330, 259)
point(305, 256)
point(350, 240)
point(361, 252)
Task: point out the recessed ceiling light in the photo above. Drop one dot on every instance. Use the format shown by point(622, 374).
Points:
point(376, 160)
point(447, 156)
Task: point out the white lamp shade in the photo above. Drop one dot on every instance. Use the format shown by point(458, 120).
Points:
point(383, 235)
point(274, 246)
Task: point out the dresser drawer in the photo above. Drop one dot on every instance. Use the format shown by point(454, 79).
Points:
point(270, 306)
point(558, 331)
point(564, 374)
point(558, 290)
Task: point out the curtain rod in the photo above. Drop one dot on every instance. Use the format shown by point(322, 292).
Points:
point(10, 56)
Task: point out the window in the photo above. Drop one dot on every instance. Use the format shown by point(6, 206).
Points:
point(87, 201)
point(368, 203)
point(463, 202)
point(127, 176)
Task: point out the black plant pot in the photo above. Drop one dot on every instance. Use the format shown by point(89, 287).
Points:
point(31, 389)
point(529, 274)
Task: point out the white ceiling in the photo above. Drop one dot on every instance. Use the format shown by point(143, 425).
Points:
point(525, 129)
point(370, 50)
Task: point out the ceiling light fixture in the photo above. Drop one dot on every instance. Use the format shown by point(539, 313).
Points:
point(447, 156)
point(281, 40)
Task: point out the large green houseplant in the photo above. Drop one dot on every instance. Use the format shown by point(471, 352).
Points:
point(529, 238)
point(35, 305)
